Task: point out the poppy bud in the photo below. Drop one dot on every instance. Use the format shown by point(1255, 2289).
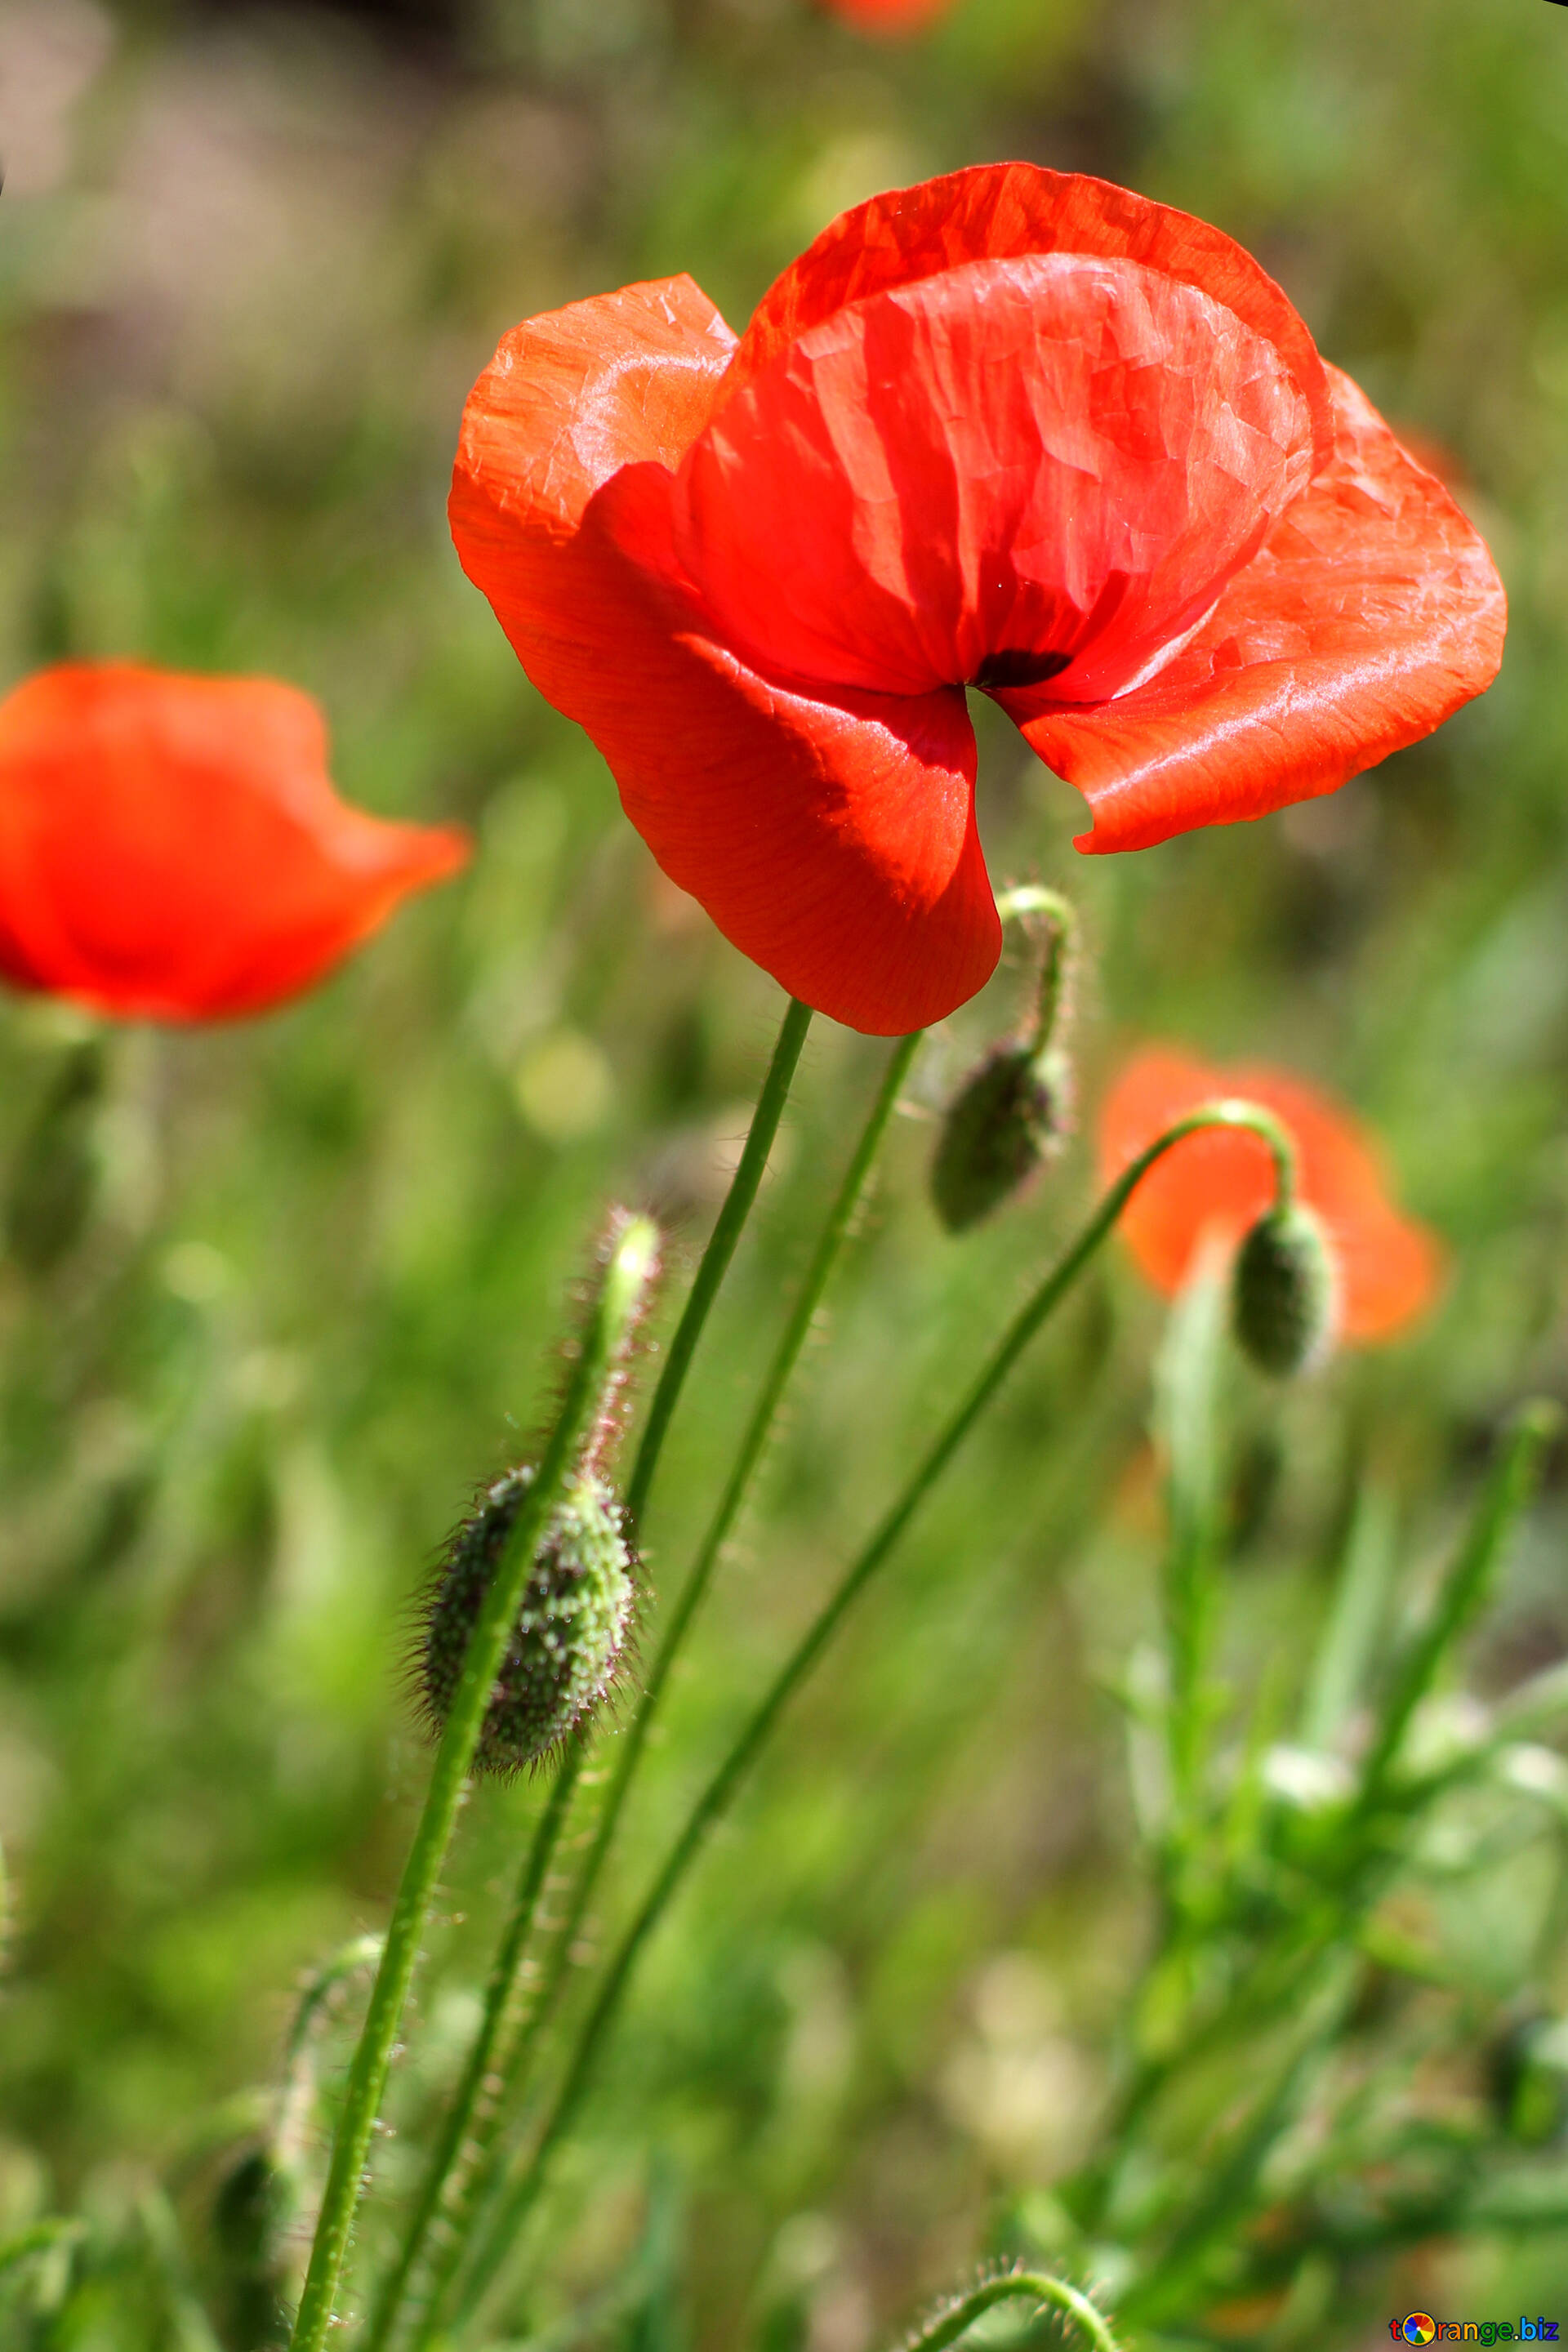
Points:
point(1009, 1118)
point(54, 1178)
point(572, 1623)
point(1285, 1303)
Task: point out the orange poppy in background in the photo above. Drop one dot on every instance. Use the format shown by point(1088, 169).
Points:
point(1010, 430)
point(171, 848)
point(1388, 1266)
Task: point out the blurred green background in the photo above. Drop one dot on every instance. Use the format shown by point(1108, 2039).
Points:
point(250, 260)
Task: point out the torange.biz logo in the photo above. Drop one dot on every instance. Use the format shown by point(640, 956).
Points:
point(1420, 2328)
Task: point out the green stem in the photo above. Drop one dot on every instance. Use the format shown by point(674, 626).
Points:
point(477, 2100)
point(1059, 935)
point(716, 1258)
point(480, 2173)
point(456, 2172)
point(721, 1789)
point(630, 1268)
point(1037, 2285)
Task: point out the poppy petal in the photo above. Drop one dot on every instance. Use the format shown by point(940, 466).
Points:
point(1373, 613)
point(830, 834)
point(171, 848)
point(995, 212)
point(1046, 465)
point(1221, 1180)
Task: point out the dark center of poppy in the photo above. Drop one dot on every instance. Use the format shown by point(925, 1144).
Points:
point(1018, 665)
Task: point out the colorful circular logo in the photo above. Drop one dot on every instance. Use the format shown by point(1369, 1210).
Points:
point(1419, 2329)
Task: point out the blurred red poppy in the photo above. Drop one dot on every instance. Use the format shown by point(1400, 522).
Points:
point(1389, 1267)
point(171, 848)
point(883, 16)
point(1011, 430)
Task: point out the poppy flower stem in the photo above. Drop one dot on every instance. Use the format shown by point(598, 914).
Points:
point(470, 2120)
point(1039, 2286)
point(630, 1266)
point(460, 2174)
point(1060, 935)
point(514, 2208)
point(715, 1260)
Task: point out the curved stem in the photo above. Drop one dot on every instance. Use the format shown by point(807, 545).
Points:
point(631, 1265)
point(478, 2174)
point(476, 2101)
point(716, 1258)
point(1038, 2285)
point(721, 1789)
point(1056, 963)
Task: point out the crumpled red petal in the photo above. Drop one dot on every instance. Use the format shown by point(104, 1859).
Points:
point(171, 848)
point(994, 212)
point(1389, 1266)
point(830, 835)
point(1041, 466)
point(1371, 615)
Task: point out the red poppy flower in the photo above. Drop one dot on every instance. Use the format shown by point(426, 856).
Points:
point(171, 848)
point(1388, 1266)
point(1011, 430)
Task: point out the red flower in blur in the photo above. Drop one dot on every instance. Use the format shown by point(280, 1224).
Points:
point(895, 17)
point(1222, 1181)
point(171, 848)
point(1011, 430)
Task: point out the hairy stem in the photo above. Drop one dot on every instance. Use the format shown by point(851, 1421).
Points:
point(628, 1271)
point(475, 2102)
point(480, 2173)
point(1039, 2286)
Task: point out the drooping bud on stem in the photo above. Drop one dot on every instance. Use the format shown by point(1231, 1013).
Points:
point(569, 1635)
point(1284, 1300)
point(1013, 1111)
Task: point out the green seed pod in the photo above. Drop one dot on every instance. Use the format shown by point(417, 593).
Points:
point(572, 1625)
point(1011, 1116)
point(1285, 1302)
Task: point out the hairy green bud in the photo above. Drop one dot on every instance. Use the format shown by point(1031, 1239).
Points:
point(1285, 1302)
point(572, 1625)
point(1011, 1116)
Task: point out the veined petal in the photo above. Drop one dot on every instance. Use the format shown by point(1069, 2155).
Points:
point(1372, 614)
point(829, 835)
point(171, 848)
